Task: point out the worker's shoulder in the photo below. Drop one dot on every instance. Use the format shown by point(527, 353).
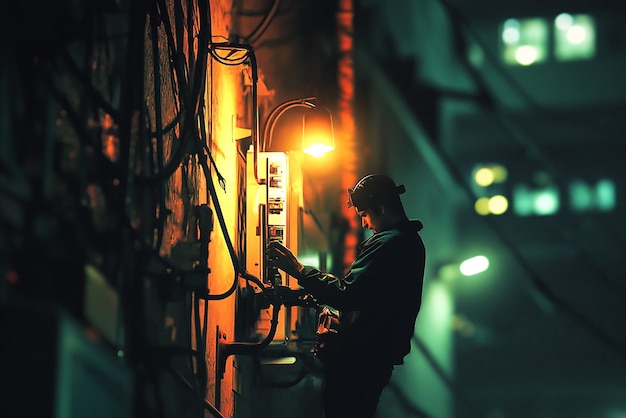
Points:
point(408, 230)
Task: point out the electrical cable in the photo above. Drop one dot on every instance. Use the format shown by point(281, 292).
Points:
point(188, 130)
point(231, 51)
point(288, 9)
point(202, 159)
point(229, 245)
point(92, 100)
point(204, 38)
point(268, 129)
point(259, 31)
point(158, 135)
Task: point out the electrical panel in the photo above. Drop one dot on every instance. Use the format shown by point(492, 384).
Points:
point(273, 202)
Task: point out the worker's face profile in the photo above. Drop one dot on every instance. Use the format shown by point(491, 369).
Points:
point(369, 219)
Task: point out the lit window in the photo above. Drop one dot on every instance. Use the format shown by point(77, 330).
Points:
point(574, 37)
point(585, 197)
point(536, 201)
point(487, 174)
point(494, 205)
point(524, 41)
point(488, 186)
point(498, 204)
point(481, 206)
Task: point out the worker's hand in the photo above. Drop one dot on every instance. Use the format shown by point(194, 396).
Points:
point(281, 257)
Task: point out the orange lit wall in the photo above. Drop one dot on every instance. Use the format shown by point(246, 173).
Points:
point(346, 142)
point(187, 188)
point(223, 88)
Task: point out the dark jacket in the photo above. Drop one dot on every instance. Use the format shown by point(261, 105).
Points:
point(379, 297)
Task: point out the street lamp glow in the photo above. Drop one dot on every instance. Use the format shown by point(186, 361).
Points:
point(318, 150)
point(474, 265)
point(317, 132)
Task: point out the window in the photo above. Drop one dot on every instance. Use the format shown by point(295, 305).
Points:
point(574, 37)
point(525, 41)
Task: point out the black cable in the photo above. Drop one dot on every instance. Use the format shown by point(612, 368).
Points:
point(229, 59)
point(229, 245)
point(288, 9)
point(156, 59)
point(204, 141)
point(259, 31)
point(204, 38)
point(191, 60)
point(170, 126)
point(188, 129)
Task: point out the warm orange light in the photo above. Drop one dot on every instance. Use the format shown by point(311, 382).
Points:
point(317, 132)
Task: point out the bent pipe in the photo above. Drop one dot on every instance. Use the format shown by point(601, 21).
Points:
point(227, 349)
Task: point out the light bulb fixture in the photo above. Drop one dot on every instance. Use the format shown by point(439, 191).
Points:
point(317, 135)
point(317, 132)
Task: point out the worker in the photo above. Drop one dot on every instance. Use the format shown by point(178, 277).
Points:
point(378, 299)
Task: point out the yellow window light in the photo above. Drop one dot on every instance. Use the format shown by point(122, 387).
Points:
point(481, 206)
point(486, 175)
point(498, 204)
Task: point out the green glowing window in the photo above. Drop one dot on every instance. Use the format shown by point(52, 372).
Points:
point(535, 201)
point(586, 197)
point(574, 37)
point(525, 41)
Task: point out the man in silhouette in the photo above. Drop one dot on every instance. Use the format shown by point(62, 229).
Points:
point(378, 299)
